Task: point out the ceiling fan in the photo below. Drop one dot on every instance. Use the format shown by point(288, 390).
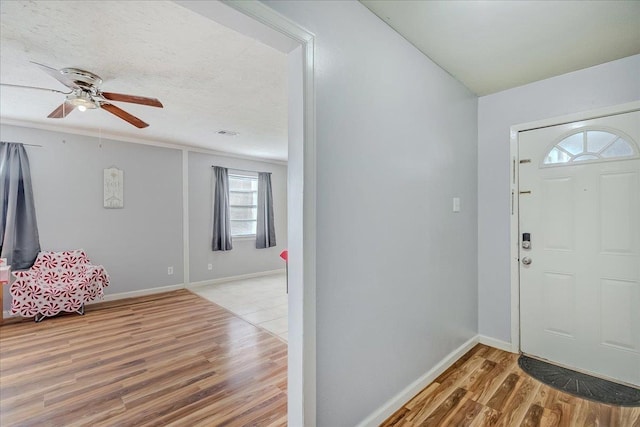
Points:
point(85, 94)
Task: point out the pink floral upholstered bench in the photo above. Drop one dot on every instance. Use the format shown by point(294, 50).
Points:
point(57, 281)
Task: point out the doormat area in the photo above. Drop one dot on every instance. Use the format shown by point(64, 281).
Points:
point(579, 384)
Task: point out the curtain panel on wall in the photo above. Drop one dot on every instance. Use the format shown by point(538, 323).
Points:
point(18, 226)
point(265, 230)
point(221, 211)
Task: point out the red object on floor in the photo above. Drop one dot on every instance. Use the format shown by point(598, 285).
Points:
point(284, 255)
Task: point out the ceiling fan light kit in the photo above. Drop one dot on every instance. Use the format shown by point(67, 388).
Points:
point(82, 101)
point(87, 95)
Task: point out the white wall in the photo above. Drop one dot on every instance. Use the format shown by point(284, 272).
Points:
point(604, 85)
point(396, 269)
point(135, 244)
point(244, 258)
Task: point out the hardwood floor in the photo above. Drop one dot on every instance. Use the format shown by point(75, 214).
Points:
point(168, 359)
point(177, 359)
point(486, 387)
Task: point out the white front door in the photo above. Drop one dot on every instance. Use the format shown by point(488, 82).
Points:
point(579, 204)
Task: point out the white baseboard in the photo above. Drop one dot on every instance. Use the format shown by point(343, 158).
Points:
point(496, 343)
point(122, 295)
point(157, 290)
point(396, 402)
point(234, 278)
point(138, 293)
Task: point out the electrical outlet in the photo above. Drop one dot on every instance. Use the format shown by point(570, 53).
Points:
point(170, 271)
point(209, 266)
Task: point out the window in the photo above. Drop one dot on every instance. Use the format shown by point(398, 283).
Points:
point(243, 204)
point(590, 145)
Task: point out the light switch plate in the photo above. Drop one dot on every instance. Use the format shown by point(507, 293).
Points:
point(456, 204)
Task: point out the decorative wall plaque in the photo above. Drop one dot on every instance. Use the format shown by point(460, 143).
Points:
point(113, 188)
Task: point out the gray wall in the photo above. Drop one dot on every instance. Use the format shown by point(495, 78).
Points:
point(138, 243)
point(608, 84)
point(396, 269)
point(135, 244)
point(244, 258)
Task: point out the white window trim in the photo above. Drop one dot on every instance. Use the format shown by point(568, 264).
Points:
point(244, 175)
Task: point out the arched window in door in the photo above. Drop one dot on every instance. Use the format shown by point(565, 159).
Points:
point(590, 145)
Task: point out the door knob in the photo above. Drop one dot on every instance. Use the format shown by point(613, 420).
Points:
point(526, 260)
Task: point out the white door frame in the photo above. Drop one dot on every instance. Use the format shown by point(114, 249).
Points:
point(302, 339)
point(301, 207)
point(515, 188)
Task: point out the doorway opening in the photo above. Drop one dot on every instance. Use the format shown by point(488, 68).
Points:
point(259, 21)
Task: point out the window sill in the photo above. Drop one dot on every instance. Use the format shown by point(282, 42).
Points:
point(244, 237)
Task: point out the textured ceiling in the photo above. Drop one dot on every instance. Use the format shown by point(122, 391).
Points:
point(207, 76)
point(495, 45)
point(210, 77)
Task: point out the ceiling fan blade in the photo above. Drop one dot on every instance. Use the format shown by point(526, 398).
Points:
point(33, 87)
point(111, 96)
point(56, 74)
point(62, 111)
point(117, 111)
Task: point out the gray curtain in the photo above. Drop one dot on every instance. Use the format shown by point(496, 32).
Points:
point(265, 230)
point(19, 229)
point(221, 211)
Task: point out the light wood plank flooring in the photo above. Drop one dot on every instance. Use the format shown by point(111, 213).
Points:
point(169, 359)
point(486, 387)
